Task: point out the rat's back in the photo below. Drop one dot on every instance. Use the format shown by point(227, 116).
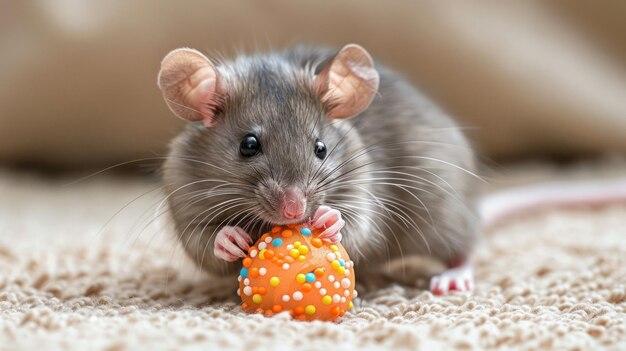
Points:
point(419, 171)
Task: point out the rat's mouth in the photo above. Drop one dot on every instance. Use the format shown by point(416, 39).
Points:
point(277, 219)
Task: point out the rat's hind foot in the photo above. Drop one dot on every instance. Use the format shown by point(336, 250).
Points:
point(460, 278)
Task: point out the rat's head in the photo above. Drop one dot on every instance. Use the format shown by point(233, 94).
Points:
point(269, 126)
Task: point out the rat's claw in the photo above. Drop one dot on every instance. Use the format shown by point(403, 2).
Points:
point(459, 279)
point(330, 219)
point(325, 217)
point(231, 243)
point(333, 239)
point(333, 230)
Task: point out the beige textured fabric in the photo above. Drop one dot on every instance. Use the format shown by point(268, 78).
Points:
point(554, 280)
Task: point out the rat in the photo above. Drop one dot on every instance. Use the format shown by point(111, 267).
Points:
point(320, 135)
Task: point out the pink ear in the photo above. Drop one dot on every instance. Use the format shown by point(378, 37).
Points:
point(189, 83)
point(349, 82)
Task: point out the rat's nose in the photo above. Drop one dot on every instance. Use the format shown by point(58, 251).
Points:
point(293, 203)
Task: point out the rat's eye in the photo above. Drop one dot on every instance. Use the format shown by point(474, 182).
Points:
point(250, 145)
point(320, 149)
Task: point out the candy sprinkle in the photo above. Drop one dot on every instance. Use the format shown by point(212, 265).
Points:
point(247, 262)
point(305, 231)
point(316, 242)
point(274, 281)
point(294, 253)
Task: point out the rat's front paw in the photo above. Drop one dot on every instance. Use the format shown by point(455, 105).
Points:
point(330, 219)
point(231, 243)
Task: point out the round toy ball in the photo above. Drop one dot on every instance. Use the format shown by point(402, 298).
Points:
point(291, 269)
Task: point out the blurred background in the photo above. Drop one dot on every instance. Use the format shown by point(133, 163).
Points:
point(528, 79)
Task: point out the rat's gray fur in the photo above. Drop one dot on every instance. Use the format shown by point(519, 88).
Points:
point(401, 172)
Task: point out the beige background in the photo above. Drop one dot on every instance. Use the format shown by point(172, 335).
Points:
point(77, 79)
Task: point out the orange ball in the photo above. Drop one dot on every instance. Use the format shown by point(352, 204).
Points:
point(314, 281)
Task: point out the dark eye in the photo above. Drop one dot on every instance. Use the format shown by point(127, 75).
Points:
point(250, 145)
point(320, 149)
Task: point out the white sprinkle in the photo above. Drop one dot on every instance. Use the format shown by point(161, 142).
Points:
point(354, 294)
point(286, 266)
point(330, 256)
point(262, 271)
point(346, 293)
point(336, 298)
point(336, 285)
point(238, 292)
point(322, 291)
point(289, 247)
point(253, 253)
point(297, 296)
point(286, 298)
point(345, 282)
point(343, 300)
point(247, 291)
point(262, 246)
point(268, 239)
point(246, 282)
point(318, 284)
point(347, 272)
point(331, 278)
point(239, 279)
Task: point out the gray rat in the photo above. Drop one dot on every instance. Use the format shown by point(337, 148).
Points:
point(321, 135)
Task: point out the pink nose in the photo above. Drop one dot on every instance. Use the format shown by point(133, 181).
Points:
point(293, 203)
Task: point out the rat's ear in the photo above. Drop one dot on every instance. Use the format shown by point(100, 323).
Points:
point(348, 82)
point(190, 85)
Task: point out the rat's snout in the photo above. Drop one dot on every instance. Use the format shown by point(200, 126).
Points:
point(293, 203)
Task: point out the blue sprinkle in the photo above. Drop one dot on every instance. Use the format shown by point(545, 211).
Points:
point(342, 262)
point(305, 231)
point(277, 242)
point(244, 272)
point(309, 277)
